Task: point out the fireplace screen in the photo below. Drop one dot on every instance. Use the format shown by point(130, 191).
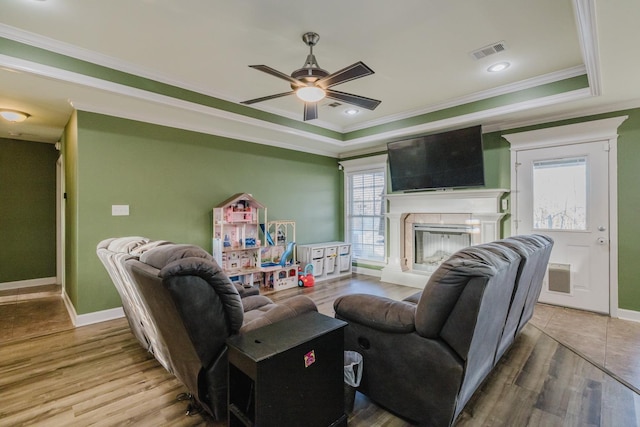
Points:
point(433, 244)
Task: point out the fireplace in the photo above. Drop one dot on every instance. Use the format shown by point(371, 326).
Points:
point(434, 243)
point(450, 220)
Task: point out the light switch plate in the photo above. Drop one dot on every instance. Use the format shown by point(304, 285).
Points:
point(119, 210)
point(505, 205)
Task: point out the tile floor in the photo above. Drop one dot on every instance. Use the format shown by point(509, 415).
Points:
point(611, 344)
point(32, 311)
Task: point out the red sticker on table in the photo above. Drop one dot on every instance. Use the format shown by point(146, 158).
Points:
point(309, 358)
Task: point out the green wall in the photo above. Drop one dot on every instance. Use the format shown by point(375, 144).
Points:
point(171, 179)
point(628, 201)
point(629, 212)
point(70, 156)
point(27, 210)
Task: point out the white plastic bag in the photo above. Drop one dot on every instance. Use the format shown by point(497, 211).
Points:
point(352, 368)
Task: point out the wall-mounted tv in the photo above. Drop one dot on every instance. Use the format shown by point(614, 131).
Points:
point(441, 161)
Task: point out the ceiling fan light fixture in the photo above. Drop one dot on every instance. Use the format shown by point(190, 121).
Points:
point(310, 93)
point(14, 116)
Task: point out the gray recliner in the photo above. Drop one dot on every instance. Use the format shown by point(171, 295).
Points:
point(425, 356)
point(195, 308)
point(113, 253)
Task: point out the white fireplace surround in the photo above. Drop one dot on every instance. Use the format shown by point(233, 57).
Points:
point(482, 208)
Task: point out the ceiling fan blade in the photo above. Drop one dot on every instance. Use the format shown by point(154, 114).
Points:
point(278, 74)
point(310, 111)
point(266, 98)
point(360, 101)
point(352, 72)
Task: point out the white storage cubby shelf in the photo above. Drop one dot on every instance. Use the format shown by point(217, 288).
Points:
point(330, 260)
point(236, 238)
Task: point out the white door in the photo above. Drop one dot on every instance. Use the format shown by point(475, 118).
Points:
point(563, 192)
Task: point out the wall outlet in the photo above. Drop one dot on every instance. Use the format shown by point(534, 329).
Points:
point(119, 210)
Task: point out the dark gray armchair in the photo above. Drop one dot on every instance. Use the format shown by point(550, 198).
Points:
point(424, 357)
point(194, 308)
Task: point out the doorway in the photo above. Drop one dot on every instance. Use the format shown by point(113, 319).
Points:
point(564, 185)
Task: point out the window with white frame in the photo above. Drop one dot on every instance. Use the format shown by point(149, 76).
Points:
point(365, 188)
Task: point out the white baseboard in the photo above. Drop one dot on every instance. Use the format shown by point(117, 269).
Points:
point(367, 271)
point(28, 283)
point(623, 314)
point(91, 318)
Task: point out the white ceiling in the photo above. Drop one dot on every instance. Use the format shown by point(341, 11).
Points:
point(419, 50)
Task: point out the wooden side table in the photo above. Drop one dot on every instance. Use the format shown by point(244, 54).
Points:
point(288, 374)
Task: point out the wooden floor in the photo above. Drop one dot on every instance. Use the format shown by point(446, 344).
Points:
point(99, 375)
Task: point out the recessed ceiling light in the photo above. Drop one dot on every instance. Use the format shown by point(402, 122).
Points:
point(13, 116)
point(351, 111)
point(500, 66)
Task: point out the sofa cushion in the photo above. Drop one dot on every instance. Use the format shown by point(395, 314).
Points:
point(125, 244)
point(271, 313)
point(442, 291)
point(162, 255)
point(148, 246)
point(209, 305)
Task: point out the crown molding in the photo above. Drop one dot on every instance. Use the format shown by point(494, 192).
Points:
point(83, 54)
point(127, 91)
point(478, 96)
point(473, 117)
point(107, 61)
point(549, 118)
point(585, 13)
point(200, 128)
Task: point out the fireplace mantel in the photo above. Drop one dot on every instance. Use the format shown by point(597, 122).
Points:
point(449, 201)
point(483, 206)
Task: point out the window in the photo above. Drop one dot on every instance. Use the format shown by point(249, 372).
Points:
point(365, 208)
point(560, 194)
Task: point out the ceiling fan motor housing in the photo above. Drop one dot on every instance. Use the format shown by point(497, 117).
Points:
point(308, 75)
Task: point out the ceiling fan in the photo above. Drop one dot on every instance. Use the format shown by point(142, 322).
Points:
point(312, 84)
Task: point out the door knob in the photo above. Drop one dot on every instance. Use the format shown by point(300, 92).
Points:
point(602, 228)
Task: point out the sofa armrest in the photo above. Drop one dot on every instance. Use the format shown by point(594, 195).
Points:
point(266, 314)
point(376, 312)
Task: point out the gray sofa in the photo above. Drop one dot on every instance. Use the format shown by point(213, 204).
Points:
point(193, 308)
point(113, 253)
point(425, 356)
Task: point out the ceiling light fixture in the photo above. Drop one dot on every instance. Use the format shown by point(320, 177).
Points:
point(500, 66)
point(351, 111)
point(310, 93)
point(14, 116)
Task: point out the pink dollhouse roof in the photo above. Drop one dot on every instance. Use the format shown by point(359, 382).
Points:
point(241, 197)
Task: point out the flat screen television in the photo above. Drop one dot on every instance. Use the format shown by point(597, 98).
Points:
point(446, 160)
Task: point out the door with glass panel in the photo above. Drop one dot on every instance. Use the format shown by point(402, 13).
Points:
point(562, 192)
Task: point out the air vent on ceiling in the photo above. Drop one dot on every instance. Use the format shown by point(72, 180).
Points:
point(488, 50)
point(333, 104)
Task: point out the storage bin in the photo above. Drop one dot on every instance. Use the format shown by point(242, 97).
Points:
point(317, 266)
point(317, 253)
point(344, 249)
point(345, 262)
point(332, 251)
point(329, 264)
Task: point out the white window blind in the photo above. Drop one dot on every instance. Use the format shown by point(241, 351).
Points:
point(365, 209)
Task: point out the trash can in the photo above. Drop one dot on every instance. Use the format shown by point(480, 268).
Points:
point(352, 377)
